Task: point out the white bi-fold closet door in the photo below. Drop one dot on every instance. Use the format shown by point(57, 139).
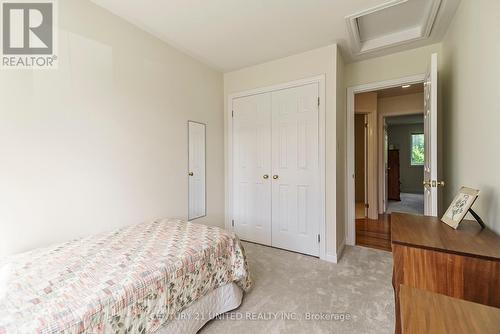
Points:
point(276, 178)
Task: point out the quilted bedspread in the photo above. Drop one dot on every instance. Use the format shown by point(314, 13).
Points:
point(132, 280)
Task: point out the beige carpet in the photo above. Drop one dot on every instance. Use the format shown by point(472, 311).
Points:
point(410, 203)
point(290, 286)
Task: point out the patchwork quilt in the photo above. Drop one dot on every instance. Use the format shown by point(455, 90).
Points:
point(132, 280)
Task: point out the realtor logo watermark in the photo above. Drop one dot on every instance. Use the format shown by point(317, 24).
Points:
point(29, 34)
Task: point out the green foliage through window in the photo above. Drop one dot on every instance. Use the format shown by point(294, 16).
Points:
point(417, 149)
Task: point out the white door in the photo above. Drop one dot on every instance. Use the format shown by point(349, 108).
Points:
point(252, 168)
point(295, 166)
point(197, 203)
point(431, 138)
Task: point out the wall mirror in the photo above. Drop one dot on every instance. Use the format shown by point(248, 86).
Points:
point(196, 170)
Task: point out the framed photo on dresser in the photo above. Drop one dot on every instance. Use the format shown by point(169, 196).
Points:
point(460, 206)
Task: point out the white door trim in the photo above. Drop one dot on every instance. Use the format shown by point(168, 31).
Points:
point(320, 79)
point(351, 92)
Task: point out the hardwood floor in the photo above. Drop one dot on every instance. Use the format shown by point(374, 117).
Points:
point(374, 233)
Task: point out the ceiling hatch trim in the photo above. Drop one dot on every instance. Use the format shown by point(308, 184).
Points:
point(406, 35)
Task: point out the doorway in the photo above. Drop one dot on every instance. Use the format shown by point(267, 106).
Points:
point(388, 91)
point(389, 159)
point(377, 229)
point(405, 154)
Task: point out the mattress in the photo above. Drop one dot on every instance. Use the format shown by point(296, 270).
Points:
point(132, 280)
point(217, 302)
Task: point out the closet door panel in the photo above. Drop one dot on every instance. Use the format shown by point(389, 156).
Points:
point(251, 162)
point(295, 165)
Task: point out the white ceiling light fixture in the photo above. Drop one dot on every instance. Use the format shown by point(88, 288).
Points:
point(393, 23)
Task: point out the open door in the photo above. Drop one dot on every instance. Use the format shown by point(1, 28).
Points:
point(431, 139)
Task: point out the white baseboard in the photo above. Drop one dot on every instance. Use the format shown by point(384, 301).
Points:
point(334, 258)
point(330, 258)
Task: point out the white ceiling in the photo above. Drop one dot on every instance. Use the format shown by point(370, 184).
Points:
point(409, 13)
point(231, 34)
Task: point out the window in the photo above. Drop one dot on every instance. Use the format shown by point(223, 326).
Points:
point(417, 149)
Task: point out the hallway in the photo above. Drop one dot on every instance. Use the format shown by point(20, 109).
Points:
point(410, 203)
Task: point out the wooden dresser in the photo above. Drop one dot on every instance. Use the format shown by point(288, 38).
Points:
point(428, 312)
point(430, 255)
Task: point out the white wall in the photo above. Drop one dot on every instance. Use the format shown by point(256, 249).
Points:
point(471, 92)
point(102, 141)
point(308, 64)
point(366, 103)
point(401, 105)
point(393, 66)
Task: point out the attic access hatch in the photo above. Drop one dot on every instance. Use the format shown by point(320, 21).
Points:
point(392, 23)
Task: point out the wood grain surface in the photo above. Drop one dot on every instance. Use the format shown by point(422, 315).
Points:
point(427, 312)
point(429, 255)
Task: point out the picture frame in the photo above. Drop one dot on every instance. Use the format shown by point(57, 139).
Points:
point(459, 207)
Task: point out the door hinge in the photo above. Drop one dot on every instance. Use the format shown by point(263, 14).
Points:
point(232, 222)
point(367, 205)
point(319, 238)
point(318, 101)
point(232, 113)
point(366, 125)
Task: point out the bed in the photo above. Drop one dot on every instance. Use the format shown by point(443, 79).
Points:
point(166, 276)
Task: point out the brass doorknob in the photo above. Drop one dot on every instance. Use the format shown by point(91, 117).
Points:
point(434, 184)
point(266, 177)
point(191, 174)
point(276, 177)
